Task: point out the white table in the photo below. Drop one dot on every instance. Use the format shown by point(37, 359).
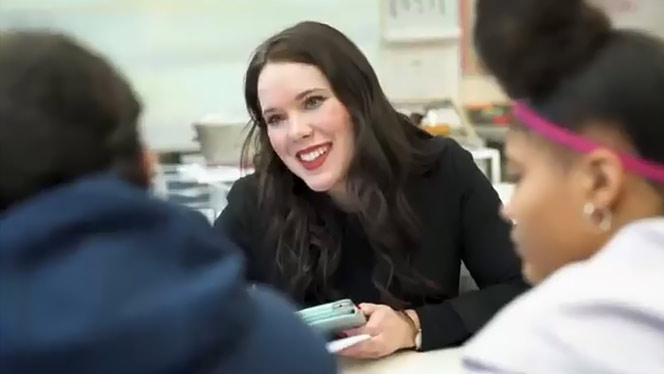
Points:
point(444, 361)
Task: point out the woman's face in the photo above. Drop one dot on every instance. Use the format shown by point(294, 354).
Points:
point(309, 128)
point(547, 205)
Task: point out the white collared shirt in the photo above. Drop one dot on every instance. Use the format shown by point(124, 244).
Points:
point(604, 315)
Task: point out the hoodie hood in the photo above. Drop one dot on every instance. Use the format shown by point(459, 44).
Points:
point(95, 270)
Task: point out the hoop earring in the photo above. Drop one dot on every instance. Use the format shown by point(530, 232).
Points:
point(593, 214)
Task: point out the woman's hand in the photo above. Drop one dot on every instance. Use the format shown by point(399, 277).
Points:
point(390, 331)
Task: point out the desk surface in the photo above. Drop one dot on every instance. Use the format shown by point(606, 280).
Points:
point(446, 361)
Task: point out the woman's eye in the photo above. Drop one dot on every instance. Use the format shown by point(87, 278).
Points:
point(516, 177)
point(274, 120)
point(313, 102)
point(513, 175)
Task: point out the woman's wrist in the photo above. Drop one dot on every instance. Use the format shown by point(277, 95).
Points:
point(414, 317)
point(413, 321)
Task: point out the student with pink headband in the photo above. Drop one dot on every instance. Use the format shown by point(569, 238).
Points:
point(589, 203)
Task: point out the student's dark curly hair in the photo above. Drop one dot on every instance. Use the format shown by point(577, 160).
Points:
point(64, 113)
point(573, 67)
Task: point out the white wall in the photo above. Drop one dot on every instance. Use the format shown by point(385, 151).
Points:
point(187, 57)
point(641, 14)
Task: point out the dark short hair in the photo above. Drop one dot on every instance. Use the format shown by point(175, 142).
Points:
point(65, 113)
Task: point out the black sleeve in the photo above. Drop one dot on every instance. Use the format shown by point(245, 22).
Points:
point(238, 221)
point(488, 254)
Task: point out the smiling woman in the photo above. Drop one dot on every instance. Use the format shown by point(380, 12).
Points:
point(352, 200)
point(307, 125)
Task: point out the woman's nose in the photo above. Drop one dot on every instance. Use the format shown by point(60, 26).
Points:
point(299, 128)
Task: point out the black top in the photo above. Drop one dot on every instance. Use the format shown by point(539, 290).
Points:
point(459, 213)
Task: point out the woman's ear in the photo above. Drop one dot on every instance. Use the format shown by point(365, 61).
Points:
point(604, 178)
point(149, 162)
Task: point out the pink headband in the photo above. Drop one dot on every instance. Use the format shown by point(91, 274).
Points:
point(528, 117)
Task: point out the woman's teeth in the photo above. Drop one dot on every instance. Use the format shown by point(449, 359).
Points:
point(310, 156)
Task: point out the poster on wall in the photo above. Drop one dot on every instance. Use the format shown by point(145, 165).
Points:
point(415, 21)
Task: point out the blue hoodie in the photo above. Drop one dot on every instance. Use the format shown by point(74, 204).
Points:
point(97, 277)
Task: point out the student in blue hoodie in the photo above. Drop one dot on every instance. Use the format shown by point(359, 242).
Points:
point(95, 275)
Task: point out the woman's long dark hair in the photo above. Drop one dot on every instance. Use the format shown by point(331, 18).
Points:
point(302, 224)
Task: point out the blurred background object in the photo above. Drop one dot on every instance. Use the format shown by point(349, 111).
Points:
point(220, 140)
point(188, 58)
